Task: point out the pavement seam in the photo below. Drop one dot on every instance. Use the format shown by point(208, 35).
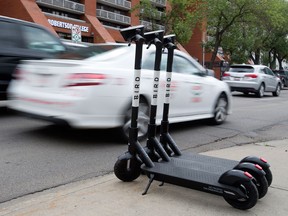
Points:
point(279, 188)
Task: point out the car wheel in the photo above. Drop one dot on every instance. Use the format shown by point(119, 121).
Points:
point(283, 84)
point(261, 91)
point(143, 120)
point(220, 110)
point(276, 93)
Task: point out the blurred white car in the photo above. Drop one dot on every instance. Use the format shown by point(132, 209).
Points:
point(96, 92)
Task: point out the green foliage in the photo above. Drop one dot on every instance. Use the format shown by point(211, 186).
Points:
point(181, 20)
point(248, 29)
point(245, 29)
point(149, 13)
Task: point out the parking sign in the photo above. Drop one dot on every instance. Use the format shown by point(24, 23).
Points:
point(76, 33)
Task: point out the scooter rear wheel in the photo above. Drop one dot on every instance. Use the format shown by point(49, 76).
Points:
point(127, 170)
point(262, 185)
point(268, 176)
point(250, 189)
point(260, 182)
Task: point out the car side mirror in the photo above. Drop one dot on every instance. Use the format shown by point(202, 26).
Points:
point(210, 72)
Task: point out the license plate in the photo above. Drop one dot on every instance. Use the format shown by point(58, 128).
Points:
point(43, 80)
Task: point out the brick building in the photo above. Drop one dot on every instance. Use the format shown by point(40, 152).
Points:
point(100, 20)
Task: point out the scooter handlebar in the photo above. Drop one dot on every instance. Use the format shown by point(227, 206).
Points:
point(133, 33)
point(169, 41)
point(154, 37)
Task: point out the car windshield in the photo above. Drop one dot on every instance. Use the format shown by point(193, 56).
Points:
point(116, 52)
point(281, 72)
point(241, 69)
point(88, 52)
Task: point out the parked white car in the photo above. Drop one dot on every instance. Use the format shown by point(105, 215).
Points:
point(257, 79)
point(96, 92)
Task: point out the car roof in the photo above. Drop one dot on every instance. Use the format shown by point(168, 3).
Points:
point(19, 21)
point(128, 51)
point(248, 65)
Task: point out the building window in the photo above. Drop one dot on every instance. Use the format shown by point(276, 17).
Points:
point(59, 13)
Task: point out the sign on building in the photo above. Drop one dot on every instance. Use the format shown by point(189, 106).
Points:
point(76, 33)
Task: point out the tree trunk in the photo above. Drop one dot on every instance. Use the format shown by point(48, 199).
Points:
point(272, 59)
point(215, 51)
point(280, 63)
point(257, 56)
point(252, 57)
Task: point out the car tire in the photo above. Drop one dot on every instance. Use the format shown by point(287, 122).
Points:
point(261, 90)
point(220, 110)
point(143, 120)
point(276, 93)
point(283, 84)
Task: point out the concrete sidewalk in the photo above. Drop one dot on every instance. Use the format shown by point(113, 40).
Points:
point(107, 195)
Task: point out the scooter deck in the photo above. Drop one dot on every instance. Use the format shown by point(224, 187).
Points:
point(190, 174)
point(210, 160)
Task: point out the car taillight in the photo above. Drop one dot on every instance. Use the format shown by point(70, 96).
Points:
point(225, 74)
point(251, 76)
point(18, 74)
point(85, 79)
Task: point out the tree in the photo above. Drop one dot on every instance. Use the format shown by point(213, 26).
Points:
point(278, 39)
point(222, 18)
point(179, 20)
point(246, 28)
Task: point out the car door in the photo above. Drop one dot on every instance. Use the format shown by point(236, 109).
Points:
point(193, 89)
point(272, 80)
point(46, 44)
point(9, 54)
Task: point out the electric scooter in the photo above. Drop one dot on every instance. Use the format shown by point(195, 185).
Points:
point(235, 185)
point(253, 165)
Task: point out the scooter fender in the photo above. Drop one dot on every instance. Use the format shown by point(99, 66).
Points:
point(253, 169)
point(231, 177)
point(256, 160)
point(127, 156)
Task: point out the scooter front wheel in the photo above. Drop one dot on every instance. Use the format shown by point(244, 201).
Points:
point(249, 201)
point(127, 170)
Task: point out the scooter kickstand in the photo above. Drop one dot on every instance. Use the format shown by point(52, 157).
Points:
point(162, 183)
point(151, 178)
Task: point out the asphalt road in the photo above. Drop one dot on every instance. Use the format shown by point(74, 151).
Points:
point(36, 156)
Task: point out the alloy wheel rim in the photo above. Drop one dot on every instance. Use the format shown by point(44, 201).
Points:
point(262, 91)
point(221, 110)
point(142, 122)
